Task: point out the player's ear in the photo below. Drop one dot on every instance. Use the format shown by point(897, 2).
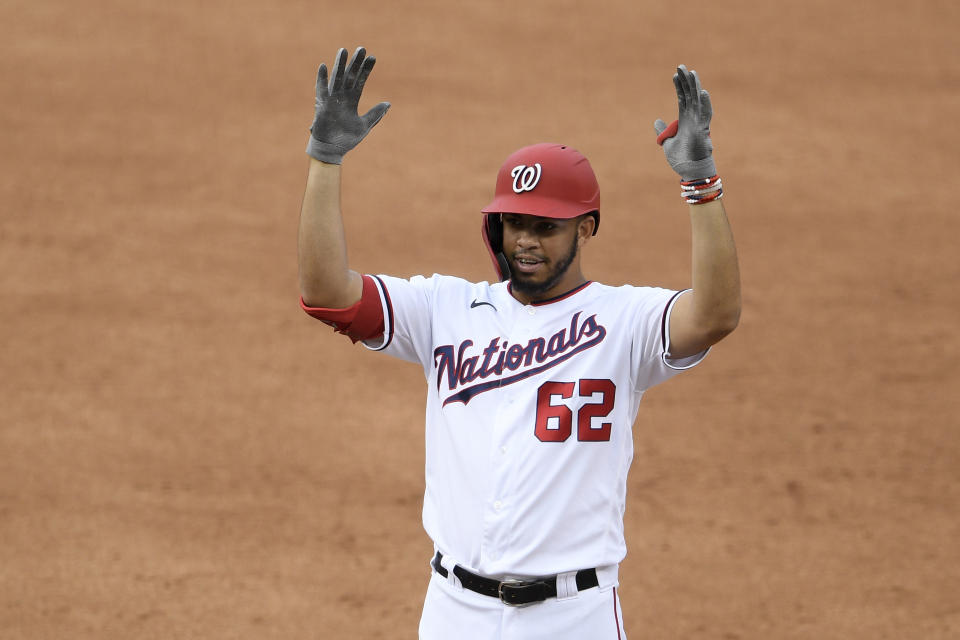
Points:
point(585, 226)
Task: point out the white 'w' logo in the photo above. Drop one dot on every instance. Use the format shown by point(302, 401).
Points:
point(525, 178)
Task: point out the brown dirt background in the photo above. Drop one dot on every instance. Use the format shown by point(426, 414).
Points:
point(184, 454)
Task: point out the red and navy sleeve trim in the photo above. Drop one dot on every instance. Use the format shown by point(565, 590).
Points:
point(664, 339)
point(678, 364)
point(387, 313)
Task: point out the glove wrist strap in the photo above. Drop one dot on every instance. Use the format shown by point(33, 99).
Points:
point(324, 151)
point(696, 169)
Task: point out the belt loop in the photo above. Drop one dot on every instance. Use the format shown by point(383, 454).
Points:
point(567, 585)
point(448, 563)
point(608, 576)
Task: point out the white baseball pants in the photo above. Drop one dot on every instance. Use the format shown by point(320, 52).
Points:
point(452, 612)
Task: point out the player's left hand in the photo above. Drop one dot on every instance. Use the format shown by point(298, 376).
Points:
point(686, 142)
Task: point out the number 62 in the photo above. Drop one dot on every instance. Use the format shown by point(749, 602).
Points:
point(555, 421)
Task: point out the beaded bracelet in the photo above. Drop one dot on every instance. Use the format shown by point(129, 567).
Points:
point(702, 191)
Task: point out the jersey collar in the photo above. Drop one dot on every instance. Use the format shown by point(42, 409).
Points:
point(562, 296)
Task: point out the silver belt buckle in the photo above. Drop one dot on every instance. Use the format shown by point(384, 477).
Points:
point(522, 585)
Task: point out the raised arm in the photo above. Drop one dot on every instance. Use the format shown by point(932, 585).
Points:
point(711, 311)
point(326, 279)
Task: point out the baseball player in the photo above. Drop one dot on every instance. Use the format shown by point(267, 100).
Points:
point(534, 379)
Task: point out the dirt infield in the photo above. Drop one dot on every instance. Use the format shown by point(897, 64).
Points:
point(184, 454)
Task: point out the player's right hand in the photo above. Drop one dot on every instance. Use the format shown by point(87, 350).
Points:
point(686, 142)
point(337, 126)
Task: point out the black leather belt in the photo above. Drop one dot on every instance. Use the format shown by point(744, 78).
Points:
point(514, 592)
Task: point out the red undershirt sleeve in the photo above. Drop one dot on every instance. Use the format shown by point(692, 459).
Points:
point(361, 321)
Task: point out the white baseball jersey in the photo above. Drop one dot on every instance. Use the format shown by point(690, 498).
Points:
point(529, 414)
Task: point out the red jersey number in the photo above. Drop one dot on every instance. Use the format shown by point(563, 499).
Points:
point(555, 421)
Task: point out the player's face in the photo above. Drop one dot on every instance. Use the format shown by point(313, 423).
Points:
point(543, 254)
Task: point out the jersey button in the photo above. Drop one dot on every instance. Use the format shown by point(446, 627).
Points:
point(497, 505)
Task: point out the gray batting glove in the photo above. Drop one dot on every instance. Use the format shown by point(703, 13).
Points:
point(686, 142)
point(337, 127)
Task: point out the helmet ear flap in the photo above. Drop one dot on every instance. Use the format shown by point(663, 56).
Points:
point(504, 266)
point(492, 230)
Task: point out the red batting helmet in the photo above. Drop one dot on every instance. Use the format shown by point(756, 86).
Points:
point(547, 180)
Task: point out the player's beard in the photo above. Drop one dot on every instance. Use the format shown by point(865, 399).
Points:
point(521, 283)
